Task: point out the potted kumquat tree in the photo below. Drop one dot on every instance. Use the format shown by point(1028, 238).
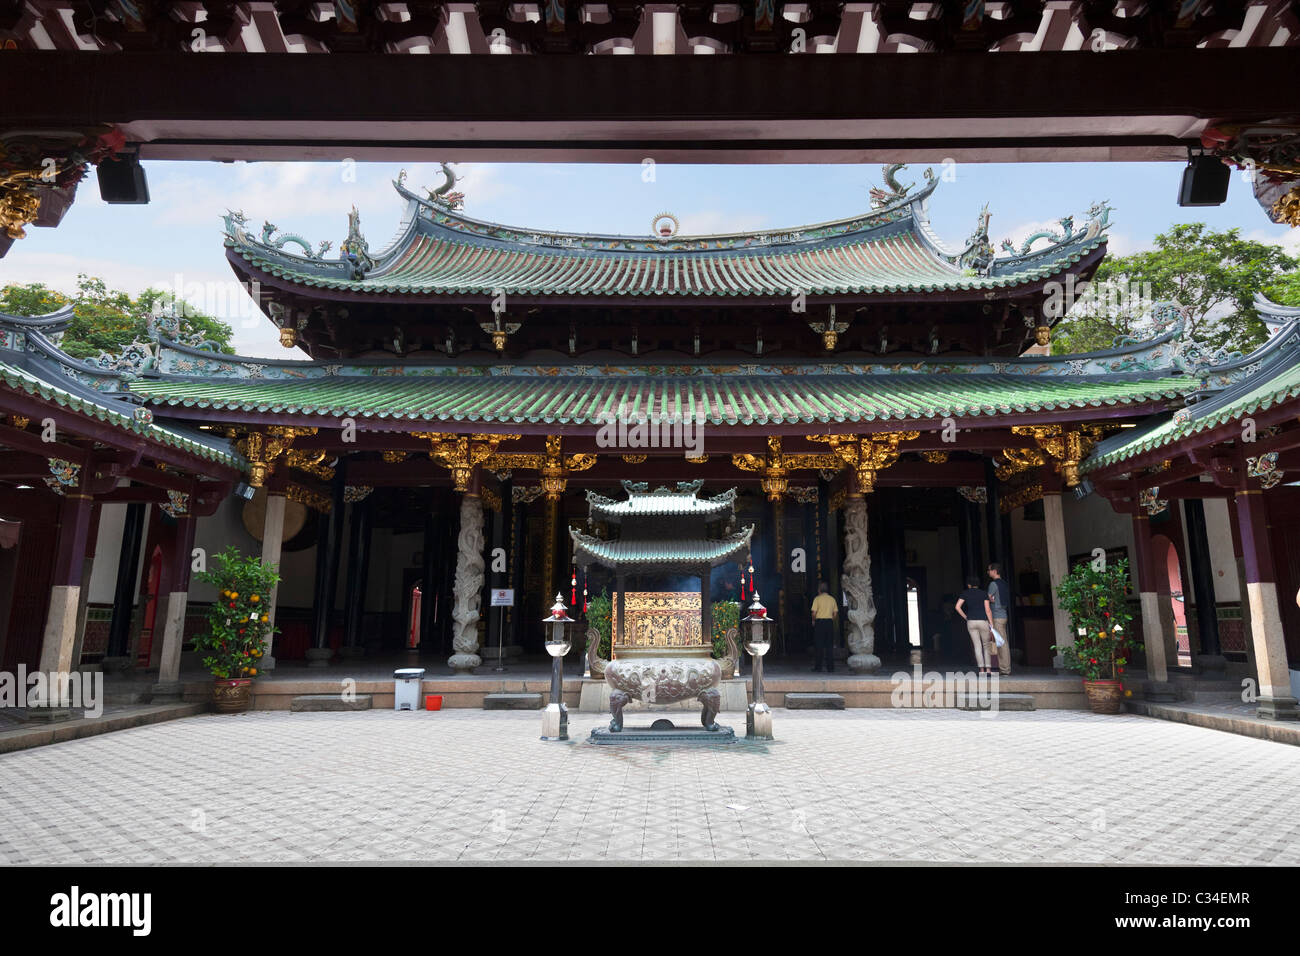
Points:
point(238, 626)
point(1097, 602)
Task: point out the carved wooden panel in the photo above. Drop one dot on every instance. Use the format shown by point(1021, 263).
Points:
point(660, 619)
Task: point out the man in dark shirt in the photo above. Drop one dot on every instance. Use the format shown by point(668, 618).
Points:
point(973, 605)
point(999, 605)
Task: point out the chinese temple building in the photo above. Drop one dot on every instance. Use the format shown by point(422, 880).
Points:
point(884, 405)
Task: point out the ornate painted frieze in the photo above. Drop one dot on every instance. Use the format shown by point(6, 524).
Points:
point(1264, 468)
point(1150, 501)
point(65, 472)
point(176, 505)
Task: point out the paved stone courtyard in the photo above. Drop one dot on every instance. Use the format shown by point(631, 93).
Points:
point(864, 785)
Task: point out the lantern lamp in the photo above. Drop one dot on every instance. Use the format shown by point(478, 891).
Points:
point(555, 717)
point(758, 641)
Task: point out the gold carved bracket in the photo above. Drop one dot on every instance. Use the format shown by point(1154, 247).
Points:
point(265, 449)
point(461, 454)
point(554, 465)
point(1066, 446)
point(776, 465)
point(866, 455)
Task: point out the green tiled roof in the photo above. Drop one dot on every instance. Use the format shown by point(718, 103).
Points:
point(1229, 406)
point(439, 266)
point(26, 382)
point(715, 399)
point(676, 553)
point(661, 503)
point(444, 252)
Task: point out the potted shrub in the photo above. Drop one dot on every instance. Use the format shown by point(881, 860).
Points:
point(237, 626)
point(600, 617)
point(1097, 602)
point(726, 617)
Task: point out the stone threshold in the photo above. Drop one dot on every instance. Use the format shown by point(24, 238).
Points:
point(30, 735)
point(1278, 731)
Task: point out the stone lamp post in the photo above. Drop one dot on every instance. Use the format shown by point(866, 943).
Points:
point(758, 719)
point(555, 718)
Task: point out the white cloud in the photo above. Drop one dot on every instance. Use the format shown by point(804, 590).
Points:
point(1288, 240)
point(59, 271)
point(711, 222)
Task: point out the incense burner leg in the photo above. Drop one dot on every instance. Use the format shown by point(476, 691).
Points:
point(617, 701)
point(712, 703)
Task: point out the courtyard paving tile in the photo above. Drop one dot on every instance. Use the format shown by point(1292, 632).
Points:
point(474, 786)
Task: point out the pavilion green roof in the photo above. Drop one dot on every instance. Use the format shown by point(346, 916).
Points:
point(669, 554)
point(712, 397)
point(661, 503)
point(140, 422)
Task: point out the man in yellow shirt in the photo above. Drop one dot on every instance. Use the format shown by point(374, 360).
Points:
point(824, 612)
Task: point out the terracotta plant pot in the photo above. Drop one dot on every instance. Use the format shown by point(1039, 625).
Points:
point(1104, 696)
point(232, 696)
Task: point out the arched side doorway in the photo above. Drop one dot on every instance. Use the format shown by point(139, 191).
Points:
point(1173, 599)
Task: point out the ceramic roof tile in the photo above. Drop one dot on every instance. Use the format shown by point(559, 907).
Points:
point(718, 398)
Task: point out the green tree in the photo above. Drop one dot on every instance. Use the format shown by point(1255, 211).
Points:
point(1286, 290)
point(108, 320)
point(1214, 275)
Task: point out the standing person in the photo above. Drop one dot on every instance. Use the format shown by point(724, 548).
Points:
point(973, 606)
point(824, 612)
point(999, 604)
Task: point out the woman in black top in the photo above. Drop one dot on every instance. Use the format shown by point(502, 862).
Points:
point(973, 605)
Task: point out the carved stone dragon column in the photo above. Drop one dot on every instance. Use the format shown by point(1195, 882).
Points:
point(856, 581)
point(468, 589)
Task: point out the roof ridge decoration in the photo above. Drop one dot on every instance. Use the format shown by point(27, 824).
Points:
point(1239, 386)
point(1275, 315)
point(443, 194)
point(106, 372)
point(887, 207)
point(888, 248)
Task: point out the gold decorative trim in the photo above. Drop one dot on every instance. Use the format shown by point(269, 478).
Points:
point(307, 497)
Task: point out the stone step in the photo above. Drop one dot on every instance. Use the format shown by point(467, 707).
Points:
point(120, 698)
point(1004, 702)
point(513, 702)
point(802, 701)
point(322, 702)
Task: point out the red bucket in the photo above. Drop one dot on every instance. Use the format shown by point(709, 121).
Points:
point(433, 702)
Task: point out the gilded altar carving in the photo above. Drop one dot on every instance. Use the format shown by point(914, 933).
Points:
point(659, 619)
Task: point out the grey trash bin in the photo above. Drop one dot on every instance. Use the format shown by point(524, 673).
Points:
point(406, 688)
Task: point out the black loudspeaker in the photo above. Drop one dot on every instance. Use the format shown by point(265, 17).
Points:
point(1205, 182)
point(122, 181)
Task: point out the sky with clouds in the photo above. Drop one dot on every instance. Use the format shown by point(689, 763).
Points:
point(175, 240)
